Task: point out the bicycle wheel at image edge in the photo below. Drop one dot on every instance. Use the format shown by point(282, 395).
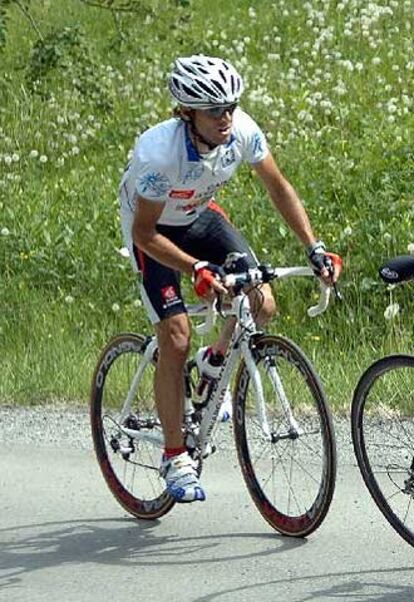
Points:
point(291, 473)
point(129, 465)
point(382, 421)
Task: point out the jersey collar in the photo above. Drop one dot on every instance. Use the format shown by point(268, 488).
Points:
point(192, 152)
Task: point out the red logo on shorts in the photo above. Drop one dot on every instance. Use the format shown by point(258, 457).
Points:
point(169, 293)
point(181, 194)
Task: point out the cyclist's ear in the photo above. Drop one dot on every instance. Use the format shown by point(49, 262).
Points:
point(186, 113)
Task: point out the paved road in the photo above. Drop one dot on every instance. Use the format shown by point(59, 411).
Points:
point(63, 537)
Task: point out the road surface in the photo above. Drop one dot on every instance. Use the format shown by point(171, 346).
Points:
point(64, 537)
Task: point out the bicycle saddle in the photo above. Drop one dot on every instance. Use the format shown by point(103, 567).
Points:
point(398, 269)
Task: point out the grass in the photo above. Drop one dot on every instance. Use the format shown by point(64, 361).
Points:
point(331, 84)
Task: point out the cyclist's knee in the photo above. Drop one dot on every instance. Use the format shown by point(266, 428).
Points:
point(263, 304)
point(268, 310)
point(174, 338)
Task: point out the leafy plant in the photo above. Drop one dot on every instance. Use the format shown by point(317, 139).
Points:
point(65, 54)
point(23, 6)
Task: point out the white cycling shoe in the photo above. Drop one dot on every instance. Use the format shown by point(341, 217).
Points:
point(181, 477)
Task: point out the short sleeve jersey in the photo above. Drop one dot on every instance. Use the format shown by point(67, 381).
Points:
point(167, 168)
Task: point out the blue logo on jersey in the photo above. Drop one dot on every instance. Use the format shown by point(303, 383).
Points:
point(194, 173)
point(154, 184)
point(228, 158)
point(257, 144)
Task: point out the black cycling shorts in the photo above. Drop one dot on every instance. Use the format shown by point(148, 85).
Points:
point(211, 237)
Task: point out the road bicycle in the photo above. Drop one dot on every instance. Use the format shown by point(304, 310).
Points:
point(382, 420)
point(282, 423)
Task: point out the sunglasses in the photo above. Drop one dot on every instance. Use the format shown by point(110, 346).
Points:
point(219, 111)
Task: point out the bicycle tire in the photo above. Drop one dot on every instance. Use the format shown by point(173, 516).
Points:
point(383, 438)
point(262, 461)
point(133, 478)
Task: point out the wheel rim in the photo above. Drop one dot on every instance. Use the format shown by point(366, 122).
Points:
point(386, 437)
point(130, 466)
point(289, 476)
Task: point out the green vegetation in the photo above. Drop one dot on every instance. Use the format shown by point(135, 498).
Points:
point(330, 82)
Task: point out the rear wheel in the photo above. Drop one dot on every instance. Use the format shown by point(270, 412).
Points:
point(289, 465)
point(130, 465)
point(382, 421)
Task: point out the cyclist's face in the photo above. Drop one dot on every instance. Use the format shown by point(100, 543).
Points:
point(215, 128)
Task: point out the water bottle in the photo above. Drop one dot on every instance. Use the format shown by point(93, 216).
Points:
point(208, 364)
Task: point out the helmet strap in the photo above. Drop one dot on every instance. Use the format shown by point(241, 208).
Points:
point(199, 137)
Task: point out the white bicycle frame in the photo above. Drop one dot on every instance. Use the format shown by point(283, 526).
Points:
point(239, 348)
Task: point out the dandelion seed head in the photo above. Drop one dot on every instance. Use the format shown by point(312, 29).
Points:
point(391, 311)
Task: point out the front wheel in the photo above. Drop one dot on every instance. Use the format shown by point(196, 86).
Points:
point(382, 419)
point(285, 441)
point(126, 431)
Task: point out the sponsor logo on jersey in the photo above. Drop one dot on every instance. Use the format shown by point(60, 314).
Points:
point(228, 158)
point(257, 144)
point(194, 173)
point(181, 194)
point(154, 184)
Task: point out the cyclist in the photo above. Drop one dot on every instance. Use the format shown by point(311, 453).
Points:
point(172, 224)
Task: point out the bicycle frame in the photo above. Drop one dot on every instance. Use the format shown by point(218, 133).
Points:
point(239, 348)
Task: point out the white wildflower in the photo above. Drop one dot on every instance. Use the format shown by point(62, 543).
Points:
point(69, 299)
point(5, 232)
point(391, 311)
point(116, 307)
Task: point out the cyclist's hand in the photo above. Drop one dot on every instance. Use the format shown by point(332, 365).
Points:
point(206, 279)
point(326, 265)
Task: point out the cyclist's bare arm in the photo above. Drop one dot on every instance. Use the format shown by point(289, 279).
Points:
point(288, 204)
point(285, 199)
point(157, 246)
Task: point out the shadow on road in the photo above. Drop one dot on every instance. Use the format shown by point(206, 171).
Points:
point(120, 542)
point(351, 586)
point(131, 543)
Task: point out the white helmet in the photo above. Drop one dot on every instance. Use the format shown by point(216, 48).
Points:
point(201, 81)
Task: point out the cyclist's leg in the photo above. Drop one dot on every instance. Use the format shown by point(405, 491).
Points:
point(173, 336)
point(263, 304)
point(213, 238)
point(161, 295)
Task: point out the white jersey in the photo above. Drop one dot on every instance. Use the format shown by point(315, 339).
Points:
point(167, 168)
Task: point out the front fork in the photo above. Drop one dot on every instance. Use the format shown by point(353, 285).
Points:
point(293, 431)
